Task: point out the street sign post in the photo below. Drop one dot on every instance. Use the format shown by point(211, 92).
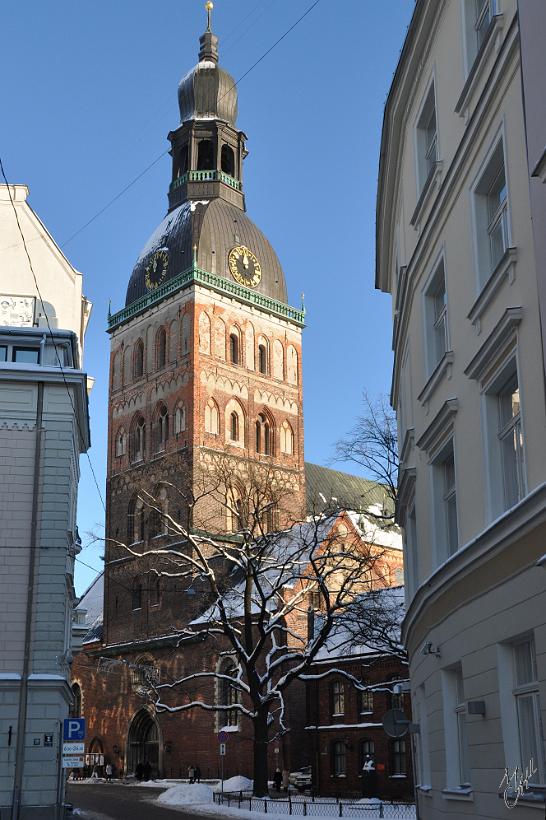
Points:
point(74, 729)
point(72, 762)
point(73, 748)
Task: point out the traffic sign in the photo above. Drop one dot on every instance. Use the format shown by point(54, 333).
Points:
point(72, 763)
point(222, 736)
point(73, 748)
point(222, 749)
point(74, 729)
point(395, 723)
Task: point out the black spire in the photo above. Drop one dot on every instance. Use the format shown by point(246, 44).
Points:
point(208, 41)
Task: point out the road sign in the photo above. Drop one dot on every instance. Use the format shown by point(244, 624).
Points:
point(222, 737)
point(222, 749)
point(395, 723)
point(74, 729)
point(72, 763)
point(73, 748)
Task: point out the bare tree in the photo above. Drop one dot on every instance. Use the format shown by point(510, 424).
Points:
point(264, 586)
point(372, 444)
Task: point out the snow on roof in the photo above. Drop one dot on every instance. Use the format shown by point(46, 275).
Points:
point(374, 532)
point(92, 601)
point(380, 613)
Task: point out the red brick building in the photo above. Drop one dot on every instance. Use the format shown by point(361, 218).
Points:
point(205, 399)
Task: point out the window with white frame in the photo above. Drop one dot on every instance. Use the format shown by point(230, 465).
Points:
point(491, 211)
point(478, 17)
point(511, 441)
point(427, 139)
point(455, 730)
point(179, 419)
point(339, 758)
point(421, 738)
point(527, 702)
point(504, 438)
point(398, 758)
point(445, 492)
point(436, 317)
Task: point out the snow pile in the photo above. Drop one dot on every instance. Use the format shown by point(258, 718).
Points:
point(369, 800)
point(236, 784)
point(185, 794)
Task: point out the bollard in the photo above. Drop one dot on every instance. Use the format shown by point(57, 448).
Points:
point(265, 806)
point(305, 808)
point(381, 810)
point(340, 809)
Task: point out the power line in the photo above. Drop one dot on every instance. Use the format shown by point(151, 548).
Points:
point(82, 438)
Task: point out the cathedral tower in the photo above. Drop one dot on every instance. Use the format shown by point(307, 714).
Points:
point(206, 365)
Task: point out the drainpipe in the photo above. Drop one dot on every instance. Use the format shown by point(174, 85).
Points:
point(23, 692)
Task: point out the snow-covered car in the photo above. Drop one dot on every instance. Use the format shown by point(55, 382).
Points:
point(301, 778)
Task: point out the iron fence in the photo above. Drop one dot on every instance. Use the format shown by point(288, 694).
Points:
point(317, 807)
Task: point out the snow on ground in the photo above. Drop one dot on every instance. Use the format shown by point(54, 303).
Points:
point(236, 784)
point(186, 794)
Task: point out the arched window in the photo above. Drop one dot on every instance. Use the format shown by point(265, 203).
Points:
point(235, 508)
point(136, 594)
point(121, 442)
point(179, 419)
point(182, 161)
point(138, 360)
point(234, 355)
point(228, 693)
point(155, 590)
point(263, 435)
point(205, 155)
point(135, 520)
point(138, 440)
point(228, 160)
point(278, 360)
point(212, 422)
point(161, 428)
point(292, 365)
point(204, 333)
point(131, 510)
point(263, 364)
point(286, 439)
point(158, 524)
point(161, 348)
point(269, 517)
point(76, 706)
point(234, 427)
point(185, 334)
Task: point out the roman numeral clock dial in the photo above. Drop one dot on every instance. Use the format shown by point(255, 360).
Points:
point(244, 266)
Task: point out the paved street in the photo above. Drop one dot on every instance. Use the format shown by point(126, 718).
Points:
point(113, 802)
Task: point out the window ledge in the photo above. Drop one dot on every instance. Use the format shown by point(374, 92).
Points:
point(535, 798)
point(506, 269)
point(477, 66)
point(500, 336)
point(398, 777)
point(428, 187)
point(464, 793)
point(425, 789)
point(443, 368)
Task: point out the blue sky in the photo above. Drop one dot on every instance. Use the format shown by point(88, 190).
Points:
point(89, 95)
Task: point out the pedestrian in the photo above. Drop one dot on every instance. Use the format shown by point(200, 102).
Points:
point(197, 773)
point(139, 771)
point(191, 774)
point(108, 770)
point(146, 770)
point(369, 777)
point(277, 779)
point(285, 779)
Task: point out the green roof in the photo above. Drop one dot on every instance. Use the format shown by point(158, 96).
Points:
point(329, 489)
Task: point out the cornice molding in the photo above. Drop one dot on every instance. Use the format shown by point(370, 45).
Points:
point(440, 425)
point(506, 269)
point(503, 333)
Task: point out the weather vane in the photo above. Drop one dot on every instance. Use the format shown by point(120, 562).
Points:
point(209, 7)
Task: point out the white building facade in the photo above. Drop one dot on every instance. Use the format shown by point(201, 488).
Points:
point(455, 250)
point(44, 428)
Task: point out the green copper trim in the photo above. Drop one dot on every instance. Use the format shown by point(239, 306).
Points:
point(198, 276)
point(205, 176)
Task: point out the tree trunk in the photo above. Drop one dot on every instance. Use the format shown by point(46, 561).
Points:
point(261, 733)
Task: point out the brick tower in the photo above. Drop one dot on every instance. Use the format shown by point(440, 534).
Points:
point(206, 365)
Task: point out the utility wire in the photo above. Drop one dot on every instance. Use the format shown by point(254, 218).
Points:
point(82, 438)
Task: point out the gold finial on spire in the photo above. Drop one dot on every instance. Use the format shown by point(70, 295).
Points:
point(209, 7)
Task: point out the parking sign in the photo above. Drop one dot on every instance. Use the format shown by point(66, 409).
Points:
point(74, 729)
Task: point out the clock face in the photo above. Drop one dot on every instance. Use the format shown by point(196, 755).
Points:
point(157, 269)
point(244, 266)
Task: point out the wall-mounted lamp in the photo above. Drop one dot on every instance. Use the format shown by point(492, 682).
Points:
point(430, 649)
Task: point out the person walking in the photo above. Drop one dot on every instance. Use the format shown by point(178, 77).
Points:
point(277, 779)
point(191, 774)
point(108, 771)
point(197, 774)
point(285, 779)
point(369, 777)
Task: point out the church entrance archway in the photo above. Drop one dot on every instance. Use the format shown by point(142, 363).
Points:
point(143, 743)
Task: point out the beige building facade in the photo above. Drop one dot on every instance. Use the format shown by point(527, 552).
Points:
point(455, 250)
point(44, 428)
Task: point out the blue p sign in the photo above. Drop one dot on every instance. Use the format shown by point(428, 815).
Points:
point(74, 729)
